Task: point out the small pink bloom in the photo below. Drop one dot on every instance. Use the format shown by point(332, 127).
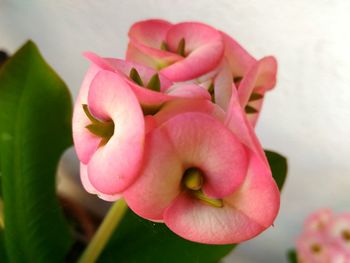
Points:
point(108, 132)
point(326, 238)
point(313, 248)
point(338, 231)
point(201, 180)
point(181, 52)
point(209, 58)
point(318, 221)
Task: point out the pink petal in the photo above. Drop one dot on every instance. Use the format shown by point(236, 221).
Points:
point(147, 97)
point(89, 187)
point(184, 90)
point(261, 77)
point(245, 214)
point(148, 56)
point(339, 226)
point(160, 181)
point(259, 197)
point(85, 142)
point(182, 142)
point(180, 106)
point(199, 62)
point(204, 47)
point(195, 34)
point(114, 166)
point(204, 143)
point(124, 67)
point(198, 222)
point(223, 86)
point(305, 244)
point(239, 59)
point(150, 32)
point(237, 122)
point(318, 221)
point(85, 180)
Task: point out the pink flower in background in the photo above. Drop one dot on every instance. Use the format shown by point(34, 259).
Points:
point(338, 231)
point(325, 238)
point(318, 221)
point(108, 132)
point(195, 52)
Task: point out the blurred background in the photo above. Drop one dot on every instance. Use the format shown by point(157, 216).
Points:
point(306, 117)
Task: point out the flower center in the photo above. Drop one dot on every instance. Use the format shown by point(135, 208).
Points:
point(104, 130)
point(192, 181)
point(346, 235)
point(316, 248)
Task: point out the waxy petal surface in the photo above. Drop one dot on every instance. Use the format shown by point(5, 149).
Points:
point(203, 48)
point(85, 142)
point(91, 189)
point(245, 214)
point(115, 165)
point(182, 142)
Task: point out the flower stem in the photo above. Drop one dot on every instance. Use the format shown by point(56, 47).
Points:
point(104, 232)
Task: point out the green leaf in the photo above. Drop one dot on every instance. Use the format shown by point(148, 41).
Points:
point(279, 167)
point(292, 256)
point(139, 240)
point(35, 128)
point(154, 83)
point(135, 77)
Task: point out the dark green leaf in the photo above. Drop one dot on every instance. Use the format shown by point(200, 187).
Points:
point(3, 57)
point(292, 256)
point(250, 110)
point(35, 128)
point(181, 48)
point(138, 240)
point(279, 167)
point(135, 77)
point(154, 83)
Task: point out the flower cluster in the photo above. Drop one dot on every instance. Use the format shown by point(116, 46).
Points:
point(325, 238)
point(171, 130)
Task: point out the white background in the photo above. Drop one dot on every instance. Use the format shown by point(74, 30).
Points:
point(307, 116)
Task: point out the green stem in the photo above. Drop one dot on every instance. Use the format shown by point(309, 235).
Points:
point(104, 232)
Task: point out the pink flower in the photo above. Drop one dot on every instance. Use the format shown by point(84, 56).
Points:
point(203, 179)
point(338, 231)
point(314, 248)
point(183, 51)
point(198, 53)
point(318, 221)
point(325, 238)
point(151, 88)
point(108, 133)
